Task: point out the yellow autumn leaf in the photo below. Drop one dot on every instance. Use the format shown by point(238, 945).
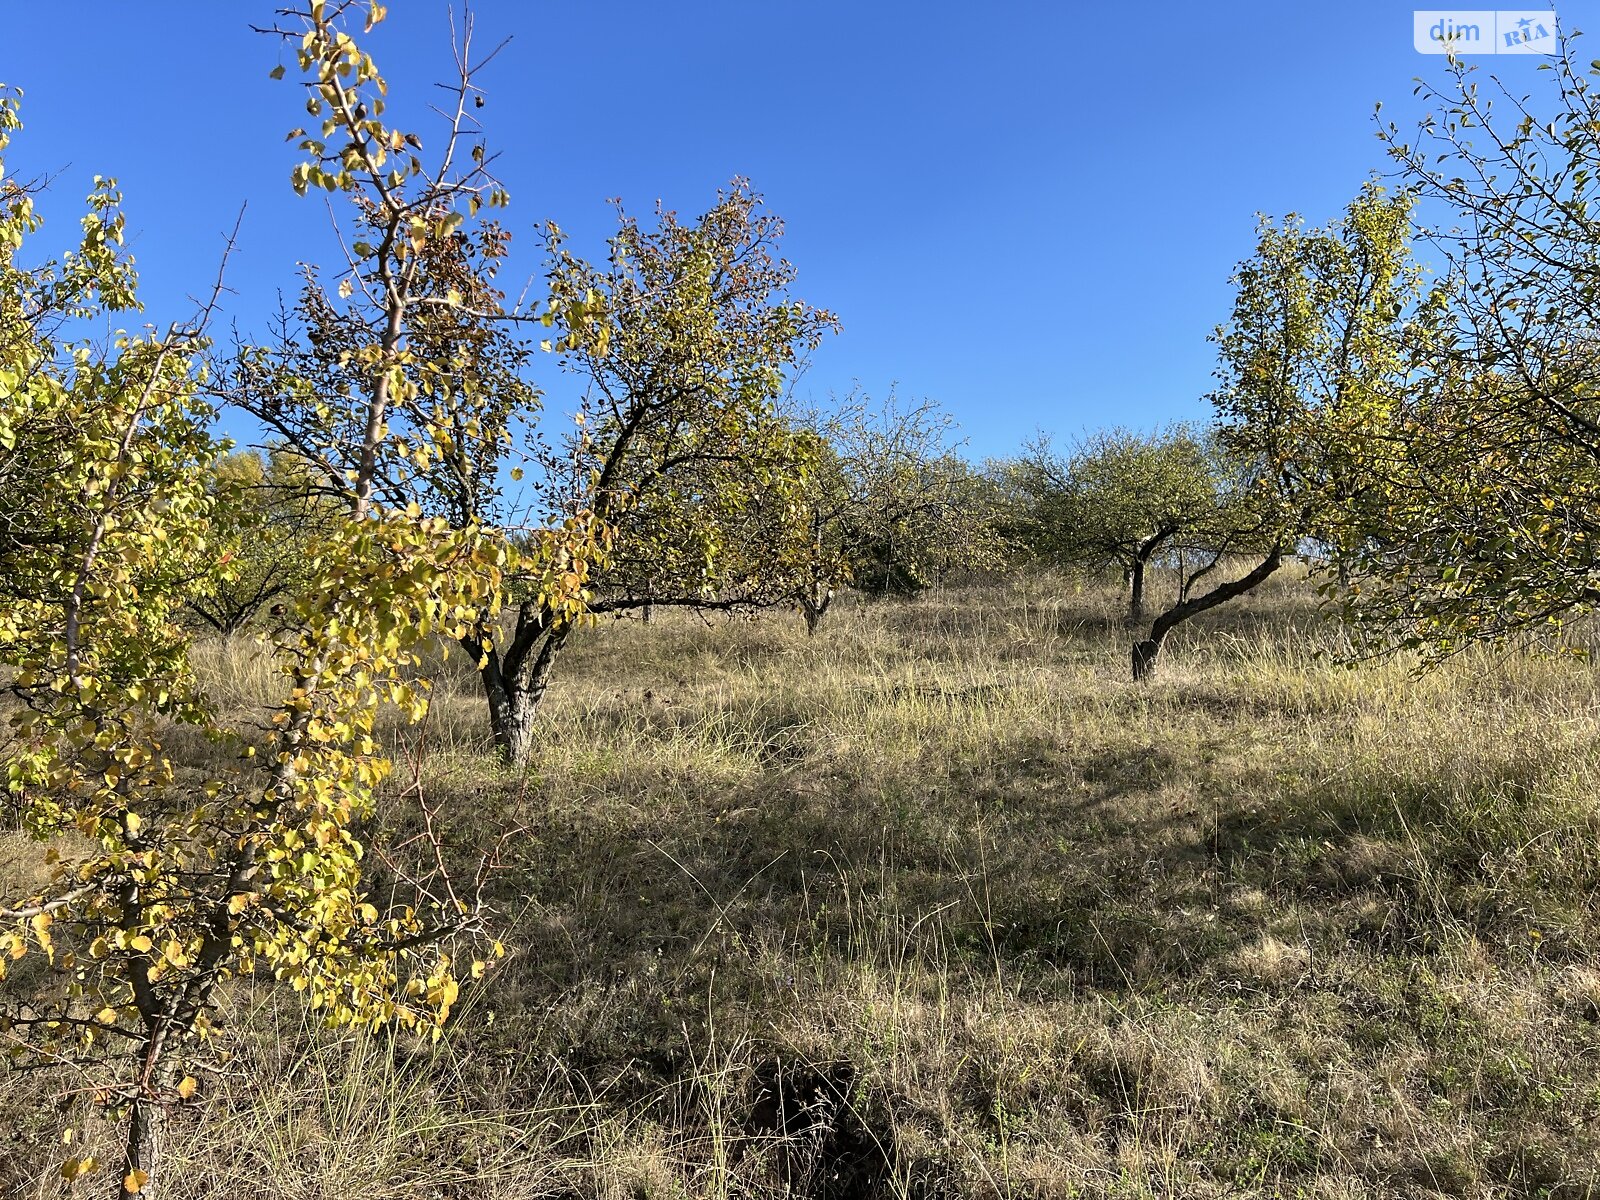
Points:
point(75, 1168)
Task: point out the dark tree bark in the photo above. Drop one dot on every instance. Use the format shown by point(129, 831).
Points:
point(146, 1125)
point(814, 606)
point(516, 679)
point(514, 701)
point(1147, 653)
point(1134, 571)
point(647, 610)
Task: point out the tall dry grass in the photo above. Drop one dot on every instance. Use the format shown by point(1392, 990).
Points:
point(939, 903)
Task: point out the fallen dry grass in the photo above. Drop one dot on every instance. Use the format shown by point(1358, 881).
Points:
point(940, 904)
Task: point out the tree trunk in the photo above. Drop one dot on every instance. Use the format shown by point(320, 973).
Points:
point(537, 680)
point(514, 694)
point(507, 717)
point(815, 594)
point(1147, 653)
point(1136, 592)
point(815, 607)
point(146, 1124)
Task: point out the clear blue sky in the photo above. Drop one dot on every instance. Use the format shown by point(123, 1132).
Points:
point(1026, 211)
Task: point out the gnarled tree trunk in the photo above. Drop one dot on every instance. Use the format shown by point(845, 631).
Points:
point(814, 606)
point(146, 1127)
point(1136, 592)
point(515, 680)
point(1134, 570)
point(1147, 652)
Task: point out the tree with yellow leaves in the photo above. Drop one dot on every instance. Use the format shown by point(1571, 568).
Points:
point(162, 880)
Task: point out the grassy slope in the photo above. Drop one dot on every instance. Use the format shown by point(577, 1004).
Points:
point(939, 904)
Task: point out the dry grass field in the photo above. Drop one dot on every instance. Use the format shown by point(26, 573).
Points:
point(938, 904)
